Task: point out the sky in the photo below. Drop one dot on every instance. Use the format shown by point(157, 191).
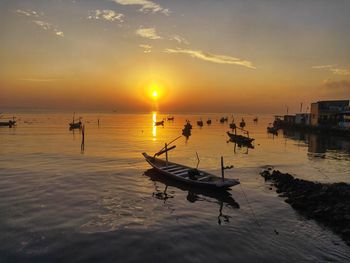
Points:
point(201, 55)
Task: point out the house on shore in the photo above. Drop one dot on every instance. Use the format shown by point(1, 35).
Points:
point(327, 113)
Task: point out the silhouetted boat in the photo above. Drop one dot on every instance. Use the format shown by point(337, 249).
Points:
point(188, 175)
point(242, 123)
point(170, 118)
point(240, 139)
point(232, 125)
point(209, 121)
point(255, 119)
point(9, 123)
point(200, 123)
point(273, 130)
point(223, 119)
point(159, 123)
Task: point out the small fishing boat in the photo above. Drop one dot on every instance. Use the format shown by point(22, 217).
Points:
point(159, 123)
point(255, 119)
point(232, 125)
point(75, 125)
point(242, 123)
point(223, 119)
point(273, 130)
point(188, 175)
point(9, 123)
point(170, 118)
point(200, 123)
point(240, 139)
point(209, 121)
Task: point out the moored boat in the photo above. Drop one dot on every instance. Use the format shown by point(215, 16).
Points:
point(159, 123)
point(209, 121)
point(240, 139)
point(188, 175)
point(200, 123)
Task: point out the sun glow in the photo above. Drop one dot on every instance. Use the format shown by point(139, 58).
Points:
point(155, 94)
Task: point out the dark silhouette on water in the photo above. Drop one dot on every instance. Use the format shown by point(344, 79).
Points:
point(194, 194)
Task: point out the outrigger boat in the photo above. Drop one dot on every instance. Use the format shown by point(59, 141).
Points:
point(240, 139)
point(188, 175)
point(75, 125)
point(159, 123)
point(9, 123)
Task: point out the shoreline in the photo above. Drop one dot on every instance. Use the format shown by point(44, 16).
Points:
point(328, 204)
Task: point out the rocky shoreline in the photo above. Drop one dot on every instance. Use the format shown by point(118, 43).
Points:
point(325, 203)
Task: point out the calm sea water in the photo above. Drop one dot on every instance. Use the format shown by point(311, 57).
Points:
point(61, 204)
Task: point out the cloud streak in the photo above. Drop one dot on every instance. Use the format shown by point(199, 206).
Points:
point(30, 13)
point(146, 48)
point(106, 15)
point(146, 6)
point(206, 56)
point(333, 69)
point(48, 27)
point(179, 39)
point(149, 33)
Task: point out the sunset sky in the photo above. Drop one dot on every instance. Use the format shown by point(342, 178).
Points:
point(200, 55)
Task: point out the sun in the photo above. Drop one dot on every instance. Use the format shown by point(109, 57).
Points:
point(154, 94)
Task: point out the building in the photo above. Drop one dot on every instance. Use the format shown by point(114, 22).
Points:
point(326, 113)
point(303, 118)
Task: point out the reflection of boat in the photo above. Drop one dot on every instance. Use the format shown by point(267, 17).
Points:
point(159, 123)
point(187, 174)
point(209, 121)
point(200, 123)
point(193, 192)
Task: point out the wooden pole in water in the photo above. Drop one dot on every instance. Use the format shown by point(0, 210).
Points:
point(166, 154)
point(83, 138)
point(222, 168)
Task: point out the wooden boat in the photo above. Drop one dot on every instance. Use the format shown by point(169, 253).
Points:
point(75, 125)
point(159, 123)
point(273, 130)
point(200, 123)
point(223, 119)
point(189, 175)
point(170, 118)
point(9, 123)
point(240, 139)
point(255, 119)
point(242, 123)
point(209, 121)
point(233, 126)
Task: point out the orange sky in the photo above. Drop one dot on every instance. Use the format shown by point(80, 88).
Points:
point(254, 56)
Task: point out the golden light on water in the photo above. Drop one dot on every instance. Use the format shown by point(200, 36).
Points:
point(154, 127)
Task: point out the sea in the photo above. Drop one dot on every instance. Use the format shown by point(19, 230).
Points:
point(62, 201)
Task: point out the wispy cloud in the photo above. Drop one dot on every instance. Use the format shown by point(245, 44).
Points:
point(179, 39)
point(30, 13)
point(340, 87)
point(146, 6)
point(146, 48)
point(106, 14)
point(48, 27)
point(333, 69)
point(221, 59)
point(148, 33)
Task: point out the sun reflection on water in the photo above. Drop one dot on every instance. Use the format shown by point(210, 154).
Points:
point(154, 127)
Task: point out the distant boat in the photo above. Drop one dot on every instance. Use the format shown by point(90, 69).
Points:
point(200, 123)
point(159, 123)
point(209, 121)
point(242, 123)
point(233, 125)
point(255, 119)
point(9, 123)
point(273, 130)
point(75, 125)
point(170, 118)
point(223, 119)
point(188, 175)
point(186, 131)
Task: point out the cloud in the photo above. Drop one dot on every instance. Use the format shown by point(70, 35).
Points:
point(148, 33)
point(146, 6)
point(221, 59)
point(48, 27)
point(333, 69)
point(179, 39)
point(146, 48)
point(30, 13)
point(338, 85)
point(107, 15)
